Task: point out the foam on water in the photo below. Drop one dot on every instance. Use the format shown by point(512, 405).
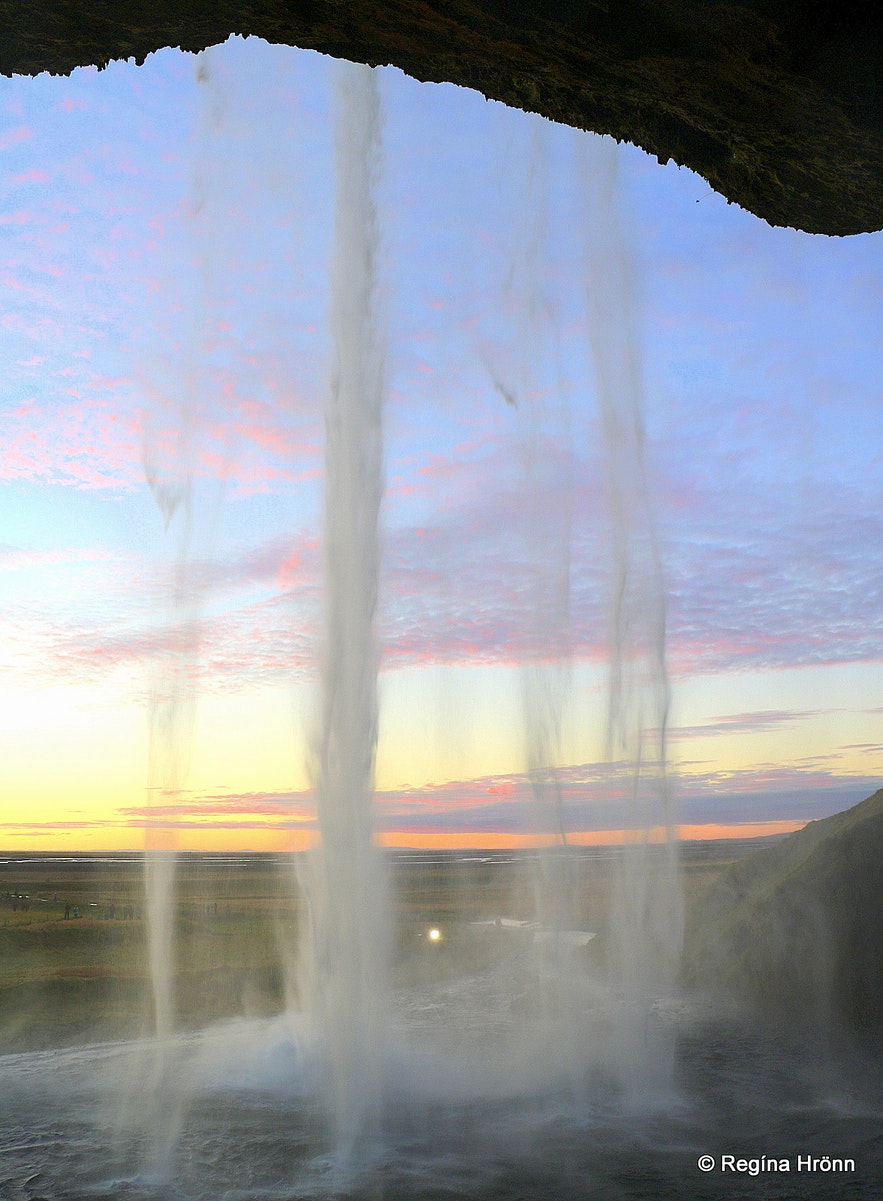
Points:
point(253, 1124)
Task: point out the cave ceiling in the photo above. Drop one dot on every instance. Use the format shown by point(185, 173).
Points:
point(778, 104)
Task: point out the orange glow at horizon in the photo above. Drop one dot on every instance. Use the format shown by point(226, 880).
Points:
point(272, 840)
point(436, 840)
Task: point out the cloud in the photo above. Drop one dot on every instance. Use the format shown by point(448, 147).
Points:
point(85, 443)
point(279, 809)
point(589, 800)
point(240, 621)
point(794, 586)
point(32, 175)
point(508, 805)
point(21, 133)
point(743, 723)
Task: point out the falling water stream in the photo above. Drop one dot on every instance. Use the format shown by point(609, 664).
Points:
point(649, 913)
point(347, 894)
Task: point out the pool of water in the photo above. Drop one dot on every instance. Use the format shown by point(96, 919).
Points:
point(239, 1112)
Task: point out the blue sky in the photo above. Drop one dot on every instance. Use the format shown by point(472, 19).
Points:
point(166, 239)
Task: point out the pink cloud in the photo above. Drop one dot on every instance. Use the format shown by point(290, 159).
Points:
point(292, 807)
point(275, 439)
point(33, 175)
point(21, 133)
point(289, 571)
point(238, 645)
point(86, 444)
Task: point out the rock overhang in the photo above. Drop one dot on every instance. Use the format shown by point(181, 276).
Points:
point(778, 104)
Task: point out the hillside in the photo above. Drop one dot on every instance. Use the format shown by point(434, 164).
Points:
point(796, 928)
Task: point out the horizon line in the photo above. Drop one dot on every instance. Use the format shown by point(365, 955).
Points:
point(706, 832)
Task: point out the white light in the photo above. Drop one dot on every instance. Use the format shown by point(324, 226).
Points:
point(434, 934)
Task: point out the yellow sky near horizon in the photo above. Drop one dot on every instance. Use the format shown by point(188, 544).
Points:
point(75, 757)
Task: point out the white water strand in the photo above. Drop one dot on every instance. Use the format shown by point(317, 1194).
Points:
point(346, 888)
point(166, 453)
point(178, 384)
point(543, 420)
point(649, 918)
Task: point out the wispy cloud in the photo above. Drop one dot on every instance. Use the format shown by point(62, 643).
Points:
point(503, 806)
point(743, 723)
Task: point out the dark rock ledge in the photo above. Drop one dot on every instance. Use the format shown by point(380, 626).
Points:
point(777, 103)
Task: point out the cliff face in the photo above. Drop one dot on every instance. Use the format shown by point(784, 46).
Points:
point(777, 103)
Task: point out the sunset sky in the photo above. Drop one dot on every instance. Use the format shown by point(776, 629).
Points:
point(165, 241)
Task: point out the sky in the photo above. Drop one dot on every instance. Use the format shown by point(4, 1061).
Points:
point(166, 234)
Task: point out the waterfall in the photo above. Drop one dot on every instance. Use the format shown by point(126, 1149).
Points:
point(346, 886)
point(648, 913)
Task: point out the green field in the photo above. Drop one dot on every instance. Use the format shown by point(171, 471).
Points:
point(69, 979)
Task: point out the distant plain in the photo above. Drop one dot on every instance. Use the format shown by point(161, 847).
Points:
point(85, 978)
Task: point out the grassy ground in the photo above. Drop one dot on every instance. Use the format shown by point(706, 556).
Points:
point(73, 979)
point(86, 977)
